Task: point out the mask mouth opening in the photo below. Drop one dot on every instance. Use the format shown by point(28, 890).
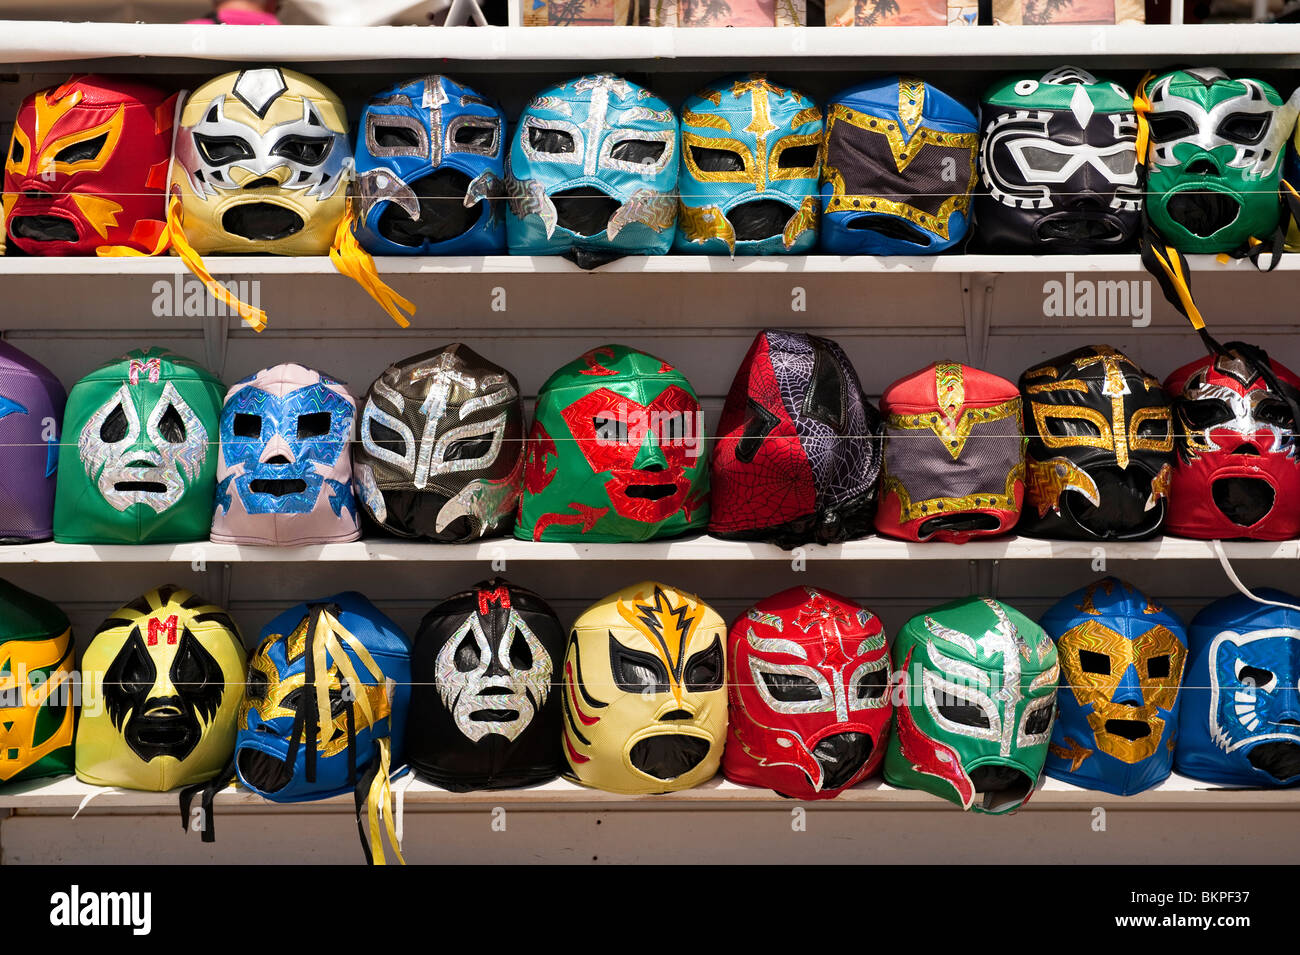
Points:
point(1130, 730)
point(759, 219)
point(1243, 500)
point(1122, 512)
point(262, 771)
point(1080, 226)
point(43, 229)
point(669, 755)
point(890, 227)
point(162, 730)
point(1279, 758)
point(841, 756)
point(443, 214)
point(1203, 212)
point(141, 487)
point(494, 716)
point(1003, 787)
point(584, 211)
point(957, 523)
point(261, 221)
point(280, 487)
point(651, 492)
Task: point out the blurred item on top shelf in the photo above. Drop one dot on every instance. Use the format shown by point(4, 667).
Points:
point(587, 13)
point(742, 13)
point(797, 459)
point(242, 13)
point(353, 13)
point(1015, 12)
point(751, 155)
point(284, 476)
point(954, 455)
point(891, 13)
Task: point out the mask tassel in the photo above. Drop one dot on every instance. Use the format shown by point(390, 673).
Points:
point(254, 317)
point(1236, 581)
point(207, 791)
point(356, 263)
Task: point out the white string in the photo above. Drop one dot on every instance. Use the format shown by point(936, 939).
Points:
point(1236, 581)
point(399, 804)
point(89, 796)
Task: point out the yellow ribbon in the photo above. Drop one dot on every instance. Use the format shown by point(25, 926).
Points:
point(1172, 263)
point(255, 317)
point(356, 263)
point(1142, 106)
point(379, 802)
point(330, 637)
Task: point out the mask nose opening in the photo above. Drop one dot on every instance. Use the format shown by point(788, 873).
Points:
point(1202, 167)
point(1247, 449)
point(266, 182)
point(673, 715)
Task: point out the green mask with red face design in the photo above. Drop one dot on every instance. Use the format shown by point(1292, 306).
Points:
point(617, 452)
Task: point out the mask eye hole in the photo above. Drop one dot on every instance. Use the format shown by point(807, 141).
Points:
point(16, 152)
point(172, 426)
point(469, 449)
point(1059, 426)
point(1044, 160)
point(304, 150)
point(1166, 126)
point(609, 429)
point(1153, 429)
point(467, 656)
point(634, 671)
point(797, 157)
point(395, 137)
point(114, 427)
point(550, 140)
point(476, 136)
point(247, 425)
point(257, 685)
point(790, 687)
point(1121, 163)
point(1257, 677)
point(314, 425)
point(1158, 667)
point(84, 151)
point(1274, 411)
point(222, 150)
point(704, 669)
point(964, 713)
point(825, 399)
point(871, 685)
point(1093, 662)
point(709, 159)
point(386, 438)
point(521, 658)
point(1244, 128)
point(758, 425)
point(1037, 720)
point(643, 152)
point(1205, 413)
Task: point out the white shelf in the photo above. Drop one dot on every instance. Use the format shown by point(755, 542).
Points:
point(246, 265)
point(702, 548)
point(26, 42)
point(69, 793)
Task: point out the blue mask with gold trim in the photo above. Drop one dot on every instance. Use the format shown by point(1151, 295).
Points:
point(898, 167)
point(430, 166)
point(1240, 722)
point(750, 161)
point(593, 172)
point(1122, 659)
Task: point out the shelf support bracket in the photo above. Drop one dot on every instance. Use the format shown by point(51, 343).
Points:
point(216, 335)
point(976, 309)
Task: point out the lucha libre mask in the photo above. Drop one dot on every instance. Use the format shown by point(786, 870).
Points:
point(1214, 158)
point(441, 454)
point(1058, 162)
point(798, 449)
point(36, 682)
point(808, 672)
point(898, 167)
point(144, 468)
point(1236, 473)
point(31, 412)
point(168, 669)
point(430, 166)
point(974, 705)
point(1240, 719)
point(87, 169)
point(954, 455)
point(1122, 657)
point(1100, 455)
point(593, 172)
point(485, 708)
point(262, 164)
point(645, 710)
point(616, 452)
point(285, 470)
point(750, 160)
